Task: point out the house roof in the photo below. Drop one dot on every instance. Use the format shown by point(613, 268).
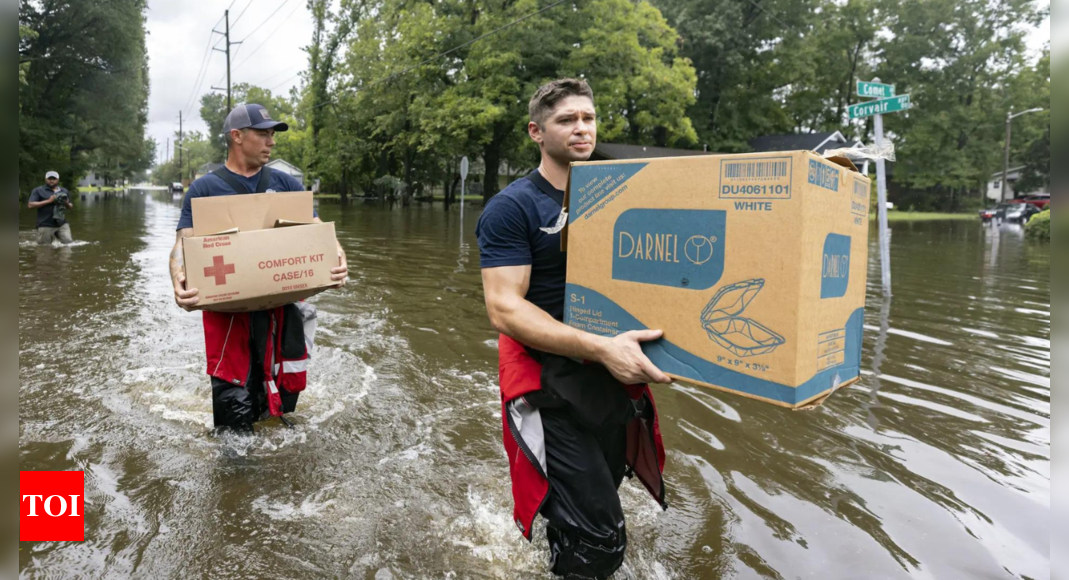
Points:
point(208, 168)
point(819, 142)
point(1012, 171)
point(610, 151)
point(277, 162)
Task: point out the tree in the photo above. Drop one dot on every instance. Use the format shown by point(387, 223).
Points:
point(82, 55)
point(961, 61)
point(416, 114)
point(1036, 174)
point(749, 56)
point(213, 111)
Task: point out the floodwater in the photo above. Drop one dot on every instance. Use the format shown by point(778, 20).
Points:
point(937, 465)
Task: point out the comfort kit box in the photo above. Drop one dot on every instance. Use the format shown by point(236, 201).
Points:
point(753, 265)
point(258, 251)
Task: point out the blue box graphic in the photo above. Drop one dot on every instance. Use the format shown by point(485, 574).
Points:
point(835, 267)
point(669, 247)
point(822, 175)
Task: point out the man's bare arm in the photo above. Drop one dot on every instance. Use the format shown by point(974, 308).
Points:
point(187, 299)
point(513, 315)
point(37, 204)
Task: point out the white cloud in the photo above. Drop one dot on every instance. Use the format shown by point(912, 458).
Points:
point(178, 33)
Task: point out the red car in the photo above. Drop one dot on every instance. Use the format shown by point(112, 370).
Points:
point(1040, 200)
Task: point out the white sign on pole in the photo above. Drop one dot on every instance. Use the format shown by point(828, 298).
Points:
point(463, 183)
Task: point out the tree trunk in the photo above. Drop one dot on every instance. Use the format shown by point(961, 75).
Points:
point(492, 163)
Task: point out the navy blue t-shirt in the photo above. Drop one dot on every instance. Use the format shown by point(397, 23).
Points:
point(510, 234)
point(213, 185)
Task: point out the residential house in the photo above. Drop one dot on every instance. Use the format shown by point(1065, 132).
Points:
point(286, 167)
point(994, 185)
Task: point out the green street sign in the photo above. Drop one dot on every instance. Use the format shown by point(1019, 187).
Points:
point(880, 107)
point(875, 90)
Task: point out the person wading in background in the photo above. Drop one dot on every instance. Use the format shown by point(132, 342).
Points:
point(572, 430)
point(52, 202)
point(253, 373)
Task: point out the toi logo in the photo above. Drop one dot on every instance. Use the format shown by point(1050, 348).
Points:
point(51, 506)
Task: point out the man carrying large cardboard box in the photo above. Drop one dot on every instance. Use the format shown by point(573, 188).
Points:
point(571, 429)
point(237, 345)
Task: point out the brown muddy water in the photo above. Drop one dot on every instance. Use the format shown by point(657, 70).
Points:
point(936, 466)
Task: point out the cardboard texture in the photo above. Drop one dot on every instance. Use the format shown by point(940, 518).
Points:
point(754, 266)
point(267, 252)
point(213, 215)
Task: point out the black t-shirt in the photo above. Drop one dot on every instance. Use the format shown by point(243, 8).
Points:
point(46, 213)
point(213, 185)
point(510, 234)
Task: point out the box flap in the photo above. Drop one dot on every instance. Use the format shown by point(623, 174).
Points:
point(732, 300)
point(289, 223)
point(843, 162)
point(247, 212)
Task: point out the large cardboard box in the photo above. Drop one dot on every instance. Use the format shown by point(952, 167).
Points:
point(753, 265)
point(257, 252)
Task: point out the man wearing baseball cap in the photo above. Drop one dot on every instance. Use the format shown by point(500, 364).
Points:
point(249, 131)
point(51, 202)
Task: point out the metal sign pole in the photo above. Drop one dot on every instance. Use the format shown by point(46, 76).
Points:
point(464, 165)
point(881, 199)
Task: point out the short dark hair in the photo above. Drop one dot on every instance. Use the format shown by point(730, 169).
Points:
point(548, 95)
point(229, 139)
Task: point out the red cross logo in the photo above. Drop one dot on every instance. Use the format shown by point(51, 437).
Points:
point(219, 270)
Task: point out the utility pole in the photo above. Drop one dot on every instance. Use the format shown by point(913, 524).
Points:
point(1006, 153)
point(181, 167)
point(226, 35)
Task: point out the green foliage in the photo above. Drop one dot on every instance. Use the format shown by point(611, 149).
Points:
point(84, 97)
point(213, 111)
point(1038, 227)
point(25, 35)
point(964, 64)
point(415, 126)
point(198, 151)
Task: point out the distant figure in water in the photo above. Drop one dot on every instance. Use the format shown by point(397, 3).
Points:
point(52, 202)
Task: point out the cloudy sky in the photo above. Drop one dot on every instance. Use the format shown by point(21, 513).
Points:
point(274, 34)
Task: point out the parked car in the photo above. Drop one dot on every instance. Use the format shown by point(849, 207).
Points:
point(1018, 213)
point(177, 187)
point(986, 215)
point(1040, 200)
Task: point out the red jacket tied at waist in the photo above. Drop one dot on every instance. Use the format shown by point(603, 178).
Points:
point(519, 375)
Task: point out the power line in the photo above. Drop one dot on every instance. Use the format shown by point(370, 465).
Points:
point(450, 51)
point(284, 82)
point(279, 73)
point(235, 22)
point(272, 15)
point(199, 83)
point(202, 70)
point(270, 34)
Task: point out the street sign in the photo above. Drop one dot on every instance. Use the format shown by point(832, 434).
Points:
point(875, 90)
point(463, 187)
point(880, 107)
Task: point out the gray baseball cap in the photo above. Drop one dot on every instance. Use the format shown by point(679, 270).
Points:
point(51, 175)
point(252, 117)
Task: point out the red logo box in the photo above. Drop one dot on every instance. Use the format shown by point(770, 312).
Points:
point(51, 506)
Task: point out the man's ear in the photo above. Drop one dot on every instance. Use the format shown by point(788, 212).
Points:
point(535, 132)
